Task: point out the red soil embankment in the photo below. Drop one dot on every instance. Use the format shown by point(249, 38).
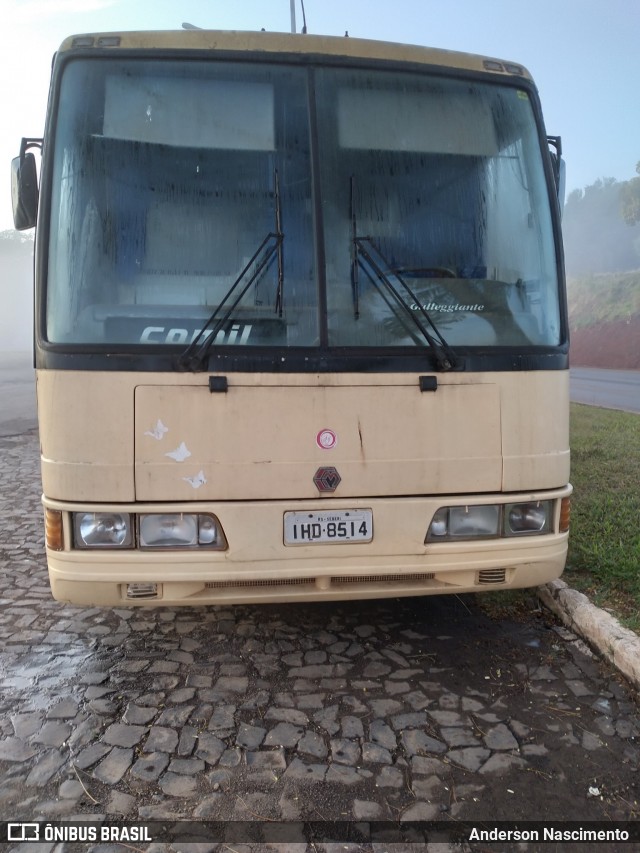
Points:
point(614, 345)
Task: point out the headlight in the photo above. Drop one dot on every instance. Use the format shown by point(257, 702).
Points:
point(439, 524)
point(180, 530)
point(526, 518)
point(464, 522)
point(102, 530)
point(490, 521)
point(474, 521)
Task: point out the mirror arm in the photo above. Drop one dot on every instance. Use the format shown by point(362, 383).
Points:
point(556, 143)
point(30, 142)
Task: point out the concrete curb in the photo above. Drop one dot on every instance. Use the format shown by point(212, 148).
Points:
point(616, 643)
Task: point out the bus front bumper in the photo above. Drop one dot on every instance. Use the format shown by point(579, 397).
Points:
point(257, 567)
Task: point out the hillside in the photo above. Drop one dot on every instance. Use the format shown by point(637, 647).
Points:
point(604, 317)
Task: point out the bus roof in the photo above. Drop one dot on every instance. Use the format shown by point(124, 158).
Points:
point(291, 43)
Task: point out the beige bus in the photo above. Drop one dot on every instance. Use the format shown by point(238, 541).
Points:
point(301, 327)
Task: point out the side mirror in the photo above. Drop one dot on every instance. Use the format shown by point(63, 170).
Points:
point(24, 191)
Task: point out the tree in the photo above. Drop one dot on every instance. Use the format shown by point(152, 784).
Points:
point(596, 238)
point(630, 197)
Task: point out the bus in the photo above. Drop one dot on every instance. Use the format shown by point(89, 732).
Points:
point(300, 321)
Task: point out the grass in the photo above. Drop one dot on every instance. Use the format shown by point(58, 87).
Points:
point(604, 544)
point(603, 298)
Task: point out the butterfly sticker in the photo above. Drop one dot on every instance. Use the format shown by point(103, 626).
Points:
point(158, 431)
point(197, 481)
point(180, 453)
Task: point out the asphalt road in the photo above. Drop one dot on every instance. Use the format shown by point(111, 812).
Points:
point(17, 393)
point(610, 389)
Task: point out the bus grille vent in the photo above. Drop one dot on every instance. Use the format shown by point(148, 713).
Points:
point(487, 576)
point(253, 584)
point(361, 580)
point(365, 579)
point(142, 590)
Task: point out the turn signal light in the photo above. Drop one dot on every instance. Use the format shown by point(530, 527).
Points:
point(565, 514)
point(53, 529)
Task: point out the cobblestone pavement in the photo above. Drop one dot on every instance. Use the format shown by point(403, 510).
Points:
point(407, 709)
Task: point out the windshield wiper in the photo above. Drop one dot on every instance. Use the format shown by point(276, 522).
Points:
point(279, 235)
point(195, 357)
point(363, 248)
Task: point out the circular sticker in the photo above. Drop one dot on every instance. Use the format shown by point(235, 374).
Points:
point(326, 439)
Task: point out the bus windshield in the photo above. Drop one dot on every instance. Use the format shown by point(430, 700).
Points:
point(185, 191)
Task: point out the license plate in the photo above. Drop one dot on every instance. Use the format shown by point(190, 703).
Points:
point(328, 526)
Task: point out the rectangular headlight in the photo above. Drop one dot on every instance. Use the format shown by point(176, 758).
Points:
point(474, 521)
point(465, 522)
point(102, 530)
point(180, 530)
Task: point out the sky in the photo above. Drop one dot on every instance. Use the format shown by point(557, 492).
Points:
point(584, 56)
